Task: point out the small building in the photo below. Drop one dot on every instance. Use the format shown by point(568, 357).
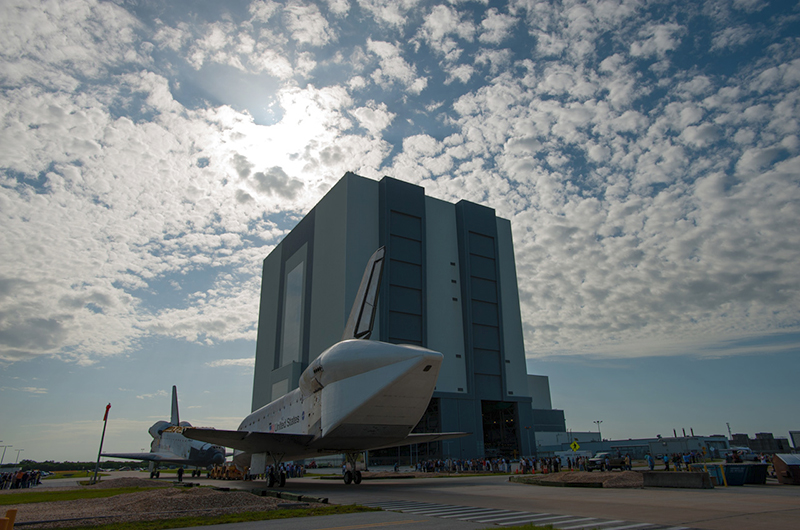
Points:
point(764, 442)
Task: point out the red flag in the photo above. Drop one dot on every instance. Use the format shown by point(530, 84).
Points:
point(105, 418)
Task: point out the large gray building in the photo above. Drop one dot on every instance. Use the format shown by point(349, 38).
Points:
point(449, 284)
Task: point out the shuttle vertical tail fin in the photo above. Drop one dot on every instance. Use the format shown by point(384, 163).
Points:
point(362, 316)
point(175, 417)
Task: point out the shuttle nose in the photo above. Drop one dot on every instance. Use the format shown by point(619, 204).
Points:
point(218, 458)
point(353, 357)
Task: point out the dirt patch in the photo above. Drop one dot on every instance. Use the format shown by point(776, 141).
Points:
point(607, 479)
point(160, 503)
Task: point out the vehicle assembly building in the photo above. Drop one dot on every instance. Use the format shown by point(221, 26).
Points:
point(449, 284)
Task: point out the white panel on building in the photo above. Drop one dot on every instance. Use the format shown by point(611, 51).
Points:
point(445, 322)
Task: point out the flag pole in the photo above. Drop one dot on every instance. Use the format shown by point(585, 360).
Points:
point(105, 422)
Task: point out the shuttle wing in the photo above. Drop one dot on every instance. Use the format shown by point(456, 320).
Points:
point(152, 457)
point(252, 442)
point(425, 437)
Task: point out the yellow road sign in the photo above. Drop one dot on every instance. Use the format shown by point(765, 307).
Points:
point(574, 446)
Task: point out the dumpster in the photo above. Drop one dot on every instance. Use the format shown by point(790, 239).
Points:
point(787, 468)
point(735, 474)
point(714, 471)
point(756, 474)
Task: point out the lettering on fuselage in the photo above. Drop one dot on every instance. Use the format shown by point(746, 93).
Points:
point(288, 422)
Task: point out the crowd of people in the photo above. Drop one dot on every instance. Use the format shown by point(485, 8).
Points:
point(499, 465)
point(451, 465)
point(19, 479)
point(678, 461)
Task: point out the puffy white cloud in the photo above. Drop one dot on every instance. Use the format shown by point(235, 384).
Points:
point(496, 26)
point(440, 24)
point(374, 117)
point(263, 10)
point(657, 40)
point(390, 12)
point(307, 25)
point(394, 68)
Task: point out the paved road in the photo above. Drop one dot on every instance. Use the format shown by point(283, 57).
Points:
point(745, 507)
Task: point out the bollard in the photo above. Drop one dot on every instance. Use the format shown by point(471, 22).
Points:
point(724, 480)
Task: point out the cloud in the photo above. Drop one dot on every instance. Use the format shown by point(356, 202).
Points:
point(394, 68)
point(274, 181)
point(25, 389)
point(307, 25)
point(496, 27)
point(648, 200)
point(247, 362)
point(374, 117)
point(389, 12)
point(439, 25)
point(657, 40)
point(157, 394)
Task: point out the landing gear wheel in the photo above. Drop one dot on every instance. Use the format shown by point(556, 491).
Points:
point(357, 477)
point(270, 479)
point(282, 482)
point(158, 474)
point(348, 477)
point(152, 474)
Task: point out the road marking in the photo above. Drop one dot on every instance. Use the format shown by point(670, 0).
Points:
point(578, 521)
point(536, 520)
point(640, 525)
point(370, 525)
point(509, 517)
point(471, 513)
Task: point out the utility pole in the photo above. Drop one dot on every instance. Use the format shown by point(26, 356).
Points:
point(4, 453)
point(730, 436)
point(18, 452)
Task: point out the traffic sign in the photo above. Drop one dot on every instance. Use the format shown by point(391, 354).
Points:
point(574, 446)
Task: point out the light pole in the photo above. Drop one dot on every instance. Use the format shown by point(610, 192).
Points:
point(598, 422)
point(4, 454)
point(18, 452)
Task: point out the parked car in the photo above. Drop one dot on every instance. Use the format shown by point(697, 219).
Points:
point(598, 461)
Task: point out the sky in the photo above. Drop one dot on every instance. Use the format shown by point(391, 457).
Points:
point(153, 153)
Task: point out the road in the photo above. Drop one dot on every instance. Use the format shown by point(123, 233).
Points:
point(744, 507)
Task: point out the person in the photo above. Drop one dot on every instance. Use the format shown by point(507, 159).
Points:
point(666, 462)
point(180, 474)
point(650, 462)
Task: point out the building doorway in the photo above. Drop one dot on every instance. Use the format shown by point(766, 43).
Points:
point(499, 429)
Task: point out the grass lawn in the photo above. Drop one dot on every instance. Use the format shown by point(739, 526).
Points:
point(73, 474)
point(31, 496)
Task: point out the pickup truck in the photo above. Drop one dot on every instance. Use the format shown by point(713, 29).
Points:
point(598, 461)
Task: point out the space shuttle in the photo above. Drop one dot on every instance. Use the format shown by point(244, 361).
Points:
point(357, 395)
point(170, 446)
